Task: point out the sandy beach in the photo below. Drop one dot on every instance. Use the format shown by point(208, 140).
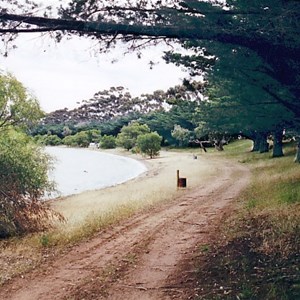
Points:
point(157, 184)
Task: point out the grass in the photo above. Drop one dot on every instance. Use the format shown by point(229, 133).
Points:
point(260, 257)
point(27, 252)
point(92, 212)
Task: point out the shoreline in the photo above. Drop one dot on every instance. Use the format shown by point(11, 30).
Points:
point(156, 184)
point(77, 170)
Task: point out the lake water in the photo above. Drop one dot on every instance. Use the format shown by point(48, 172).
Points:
point(78, 170)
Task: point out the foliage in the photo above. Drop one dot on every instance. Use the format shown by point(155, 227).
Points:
point(127, 138)
point(93, 135)
point(66, 131)
point(49, 140)
point(55, 129)
point(108, 142)
point(244, 95)
point(182, 135)
point(69, 141)
point(23, 181)
point(269, 28)
point(260, 34)
point(82, 138)
point(178, 109)
point(17, 106)
point(181, 113)
point(114, 126)
point(149, 143)
point(241, 97)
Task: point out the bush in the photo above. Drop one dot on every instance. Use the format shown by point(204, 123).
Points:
point(69, 141)
point(149, 143)
point(82, 138)
point(23, 181)
point(52, 140)
point(108, 142)
point(127, 138)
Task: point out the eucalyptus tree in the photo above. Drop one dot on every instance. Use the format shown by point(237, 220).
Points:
point(17, 106)
point(149, 143)
point(128, 136)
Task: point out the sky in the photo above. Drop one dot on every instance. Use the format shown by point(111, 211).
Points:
point(62, 75)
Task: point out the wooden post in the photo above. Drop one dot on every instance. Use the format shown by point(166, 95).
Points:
point(181, 182)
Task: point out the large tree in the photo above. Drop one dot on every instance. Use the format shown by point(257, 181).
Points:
point(270, 28)
point(238, 101)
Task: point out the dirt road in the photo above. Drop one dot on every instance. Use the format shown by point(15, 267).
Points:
point(135, 259)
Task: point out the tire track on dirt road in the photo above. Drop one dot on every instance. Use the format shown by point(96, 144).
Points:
point(166, 236)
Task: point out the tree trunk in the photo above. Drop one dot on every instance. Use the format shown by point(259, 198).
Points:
point(277, 140)
point(219, 145)
point(297, 157)
point(256, 143)
point(263, 145)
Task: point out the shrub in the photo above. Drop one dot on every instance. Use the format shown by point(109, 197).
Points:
point(23, 181)
point(52, 140)
point(69, 141)
point(149, 143)
point(108, 142)
point(127, 138)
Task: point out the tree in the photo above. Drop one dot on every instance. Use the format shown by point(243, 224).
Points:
point(51, 140)
point(270, 28)
point(66, 131)
point(181, 112)
point(82, 138)
point(108, 142)
point(70, 141)
point(93, 135)
point(239, 104)
point(23, 181)
point(17, 106)
point(149, 143)
point(23, 164)
point(182, 135)
point(128, 136)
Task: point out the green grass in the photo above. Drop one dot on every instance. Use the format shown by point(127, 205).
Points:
point(261, 252)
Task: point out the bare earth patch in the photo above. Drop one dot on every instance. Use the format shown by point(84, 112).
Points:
point(140, 258)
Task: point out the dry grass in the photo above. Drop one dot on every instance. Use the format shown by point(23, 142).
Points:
point(89, 212)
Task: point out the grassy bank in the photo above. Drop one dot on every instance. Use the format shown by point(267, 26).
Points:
point(259, 257)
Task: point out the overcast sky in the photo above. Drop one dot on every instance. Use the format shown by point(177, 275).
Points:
point(62, 75)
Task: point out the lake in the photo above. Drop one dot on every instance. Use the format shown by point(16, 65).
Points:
point(79, 170)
